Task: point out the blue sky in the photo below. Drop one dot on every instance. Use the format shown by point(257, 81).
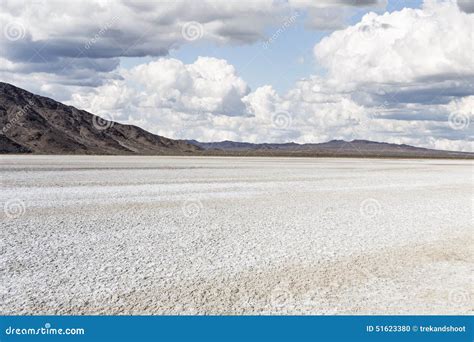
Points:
point(285, 61)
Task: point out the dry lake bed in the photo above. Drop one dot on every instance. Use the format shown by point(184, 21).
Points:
point(203, 235)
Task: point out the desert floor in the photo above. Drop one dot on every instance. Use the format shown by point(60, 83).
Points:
point(203, 235)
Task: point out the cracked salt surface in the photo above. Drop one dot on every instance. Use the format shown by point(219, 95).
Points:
point(181, 235)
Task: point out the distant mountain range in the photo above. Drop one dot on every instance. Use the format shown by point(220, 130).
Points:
point(354, 148)
point(35, 124)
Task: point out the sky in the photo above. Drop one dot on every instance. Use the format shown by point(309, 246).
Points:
point(257, 71)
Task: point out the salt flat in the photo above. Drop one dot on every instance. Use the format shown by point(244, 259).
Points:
point(203, 235)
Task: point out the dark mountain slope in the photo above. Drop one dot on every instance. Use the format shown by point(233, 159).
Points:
point(32, 123)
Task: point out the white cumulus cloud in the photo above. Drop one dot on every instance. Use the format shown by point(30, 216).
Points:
point(403, 77)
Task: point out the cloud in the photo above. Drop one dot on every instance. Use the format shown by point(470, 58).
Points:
point(331, 14)
point(408, 69)
point(401, 47)
point(53, 36)
point(167, 90)
point(402, 77)
point(466, 5)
